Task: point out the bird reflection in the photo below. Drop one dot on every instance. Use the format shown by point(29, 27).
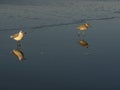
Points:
point(82, 41)
point(82, 28)
point(18, 53)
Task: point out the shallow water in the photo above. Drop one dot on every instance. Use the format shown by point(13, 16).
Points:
point(53, 57)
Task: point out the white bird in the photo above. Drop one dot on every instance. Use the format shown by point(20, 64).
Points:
point(18, 36)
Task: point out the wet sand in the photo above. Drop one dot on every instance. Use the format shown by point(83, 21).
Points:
point(53, 57)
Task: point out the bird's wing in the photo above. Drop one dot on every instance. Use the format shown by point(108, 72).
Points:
point(14, 35)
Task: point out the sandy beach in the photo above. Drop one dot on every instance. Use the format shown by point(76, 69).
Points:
point(54, 58)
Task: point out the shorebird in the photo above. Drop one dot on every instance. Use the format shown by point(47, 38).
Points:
point(82, 28)
point(18, 36)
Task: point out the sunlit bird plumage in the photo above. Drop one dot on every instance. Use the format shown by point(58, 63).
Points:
point(83, 27)
point(18, 36)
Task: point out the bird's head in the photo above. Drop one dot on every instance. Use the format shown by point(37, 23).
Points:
point(87, 25)
point(21, 31)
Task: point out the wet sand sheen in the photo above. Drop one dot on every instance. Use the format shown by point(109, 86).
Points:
point(53, 57)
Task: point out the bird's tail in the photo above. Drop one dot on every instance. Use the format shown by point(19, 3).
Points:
point(11, 36)
point(77, 27)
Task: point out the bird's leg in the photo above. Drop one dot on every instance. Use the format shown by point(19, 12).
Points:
point(80, 36)
point(18, 44)
point(78, 33)
point(83, 33)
